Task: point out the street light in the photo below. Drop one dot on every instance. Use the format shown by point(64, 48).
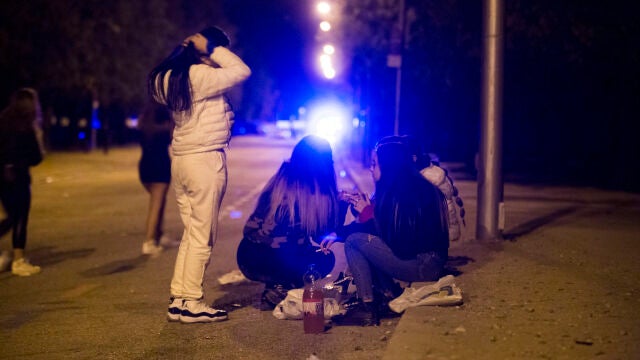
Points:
point(323, 7)
point(328, 49)
point(325, 26)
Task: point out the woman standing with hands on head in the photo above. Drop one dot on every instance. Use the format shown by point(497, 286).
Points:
point(192, 82)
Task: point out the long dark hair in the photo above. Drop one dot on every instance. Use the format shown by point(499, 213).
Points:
point(305, 189)
point(23, 112)
point(411, 213)
point(177, 95)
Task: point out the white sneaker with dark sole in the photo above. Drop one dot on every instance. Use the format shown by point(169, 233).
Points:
point(196, 311)
point(175, 308)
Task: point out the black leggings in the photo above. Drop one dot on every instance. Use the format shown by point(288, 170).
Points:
point(283, 266)
point(15, 193)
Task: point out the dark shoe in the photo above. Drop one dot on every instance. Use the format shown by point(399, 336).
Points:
point(383, 298)
point(351, 303)
point(272, 296)
point(342, 283)
point(361, 314)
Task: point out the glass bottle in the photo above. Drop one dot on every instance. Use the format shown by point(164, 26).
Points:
point(312, 302)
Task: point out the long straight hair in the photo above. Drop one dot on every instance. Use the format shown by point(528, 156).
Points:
point(304, 190)
point(177, 95)
point(410, 211)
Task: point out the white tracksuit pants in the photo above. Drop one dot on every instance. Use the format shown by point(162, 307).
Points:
point(200, 181)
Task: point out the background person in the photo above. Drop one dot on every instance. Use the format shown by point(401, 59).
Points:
point(20, 148)
point(192, 82)
point(154, 170)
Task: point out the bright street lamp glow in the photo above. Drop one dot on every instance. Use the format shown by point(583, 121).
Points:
point(325, 60)
point(329, 73)
point(323, 7)
point(325, 26)
point(328, 49)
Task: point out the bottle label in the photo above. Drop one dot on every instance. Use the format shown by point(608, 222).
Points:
point(313, 308)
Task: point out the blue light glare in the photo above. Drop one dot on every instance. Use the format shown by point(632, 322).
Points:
point(82, 135)
point(329, 120)
point(235, 214)
point(343, 173)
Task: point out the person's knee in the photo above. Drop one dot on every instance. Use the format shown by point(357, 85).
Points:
point(355, 240)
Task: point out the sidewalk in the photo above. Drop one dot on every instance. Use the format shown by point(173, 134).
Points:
point(562, 285)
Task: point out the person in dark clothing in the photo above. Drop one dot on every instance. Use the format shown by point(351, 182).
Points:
point(154, 170)
point(21, 147)
point(298, 205)
point(409, 240)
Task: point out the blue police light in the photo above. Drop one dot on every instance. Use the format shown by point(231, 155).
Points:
point(329, 120)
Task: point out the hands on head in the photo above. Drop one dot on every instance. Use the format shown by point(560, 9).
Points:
point(199, 42)
point(207, 39)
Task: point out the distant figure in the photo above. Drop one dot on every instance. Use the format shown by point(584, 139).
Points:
point(192, 82)
point(21, 147)
point(154, 170)
point(410, 239)
point(298, 205)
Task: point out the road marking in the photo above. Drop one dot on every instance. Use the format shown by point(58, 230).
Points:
point(79, 290)
point(227, 210)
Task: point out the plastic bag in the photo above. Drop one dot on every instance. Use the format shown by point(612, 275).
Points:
point(442, 292)
point(291, 307)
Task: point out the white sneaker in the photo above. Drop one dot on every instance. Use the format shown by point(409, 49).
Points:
point(5, 261)
point(150, 248)
point(22, 267)
point(195, 311)
point(168, 242)
point(175, 308)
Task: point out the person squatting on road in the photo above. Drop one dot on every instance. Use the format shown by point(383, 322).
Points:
point(192, 82)
point(154, 170)
point(21, 147)
point(406, 234)
point(299, 204)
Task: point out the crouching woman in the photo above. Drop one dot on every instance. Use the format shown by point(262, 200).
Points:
point(410, 239)
point(297, 206)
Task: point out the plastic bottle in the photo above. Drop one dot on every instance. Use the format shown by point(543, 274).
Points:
point(312, 302)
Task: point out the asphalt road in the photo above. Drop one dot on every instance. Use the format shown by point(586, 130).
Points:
point(98, 297)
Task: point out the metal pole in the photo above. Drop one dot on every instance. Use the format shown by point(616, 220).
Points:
point(490, 206)
point(396, 121)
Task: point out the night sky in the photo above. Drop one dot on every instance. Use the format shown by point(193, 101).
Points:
point(571, 82)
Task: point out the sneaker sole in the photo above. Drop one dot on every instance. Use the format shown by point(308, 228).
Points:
point(189, 318)
point(173, 315)
point(25, 273)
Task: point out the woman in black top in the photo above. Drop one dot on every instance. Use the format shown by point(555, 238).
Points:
point(20, 148)
point(154, 170)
